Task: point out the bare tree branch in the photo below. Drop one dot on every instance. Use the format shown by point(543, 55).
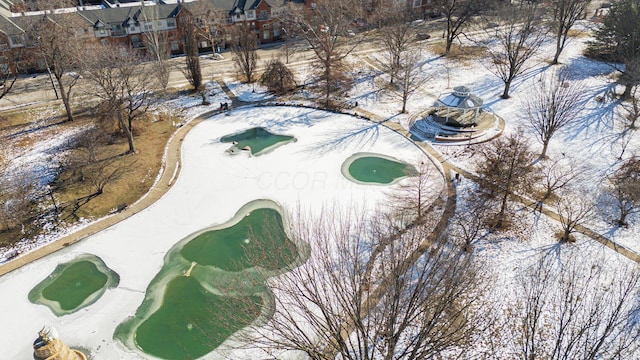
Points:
point(518, 37)
point(552, 108)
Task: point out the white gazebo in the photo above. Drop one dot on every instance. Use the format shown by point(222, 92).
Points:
point(460, 103)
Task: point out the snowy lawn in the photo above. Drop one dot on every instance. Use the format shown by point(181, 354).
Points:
point(210, 189)
point(593, 145)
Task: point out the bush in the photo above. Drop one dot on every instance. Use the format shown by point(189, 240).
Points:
point(278, 78)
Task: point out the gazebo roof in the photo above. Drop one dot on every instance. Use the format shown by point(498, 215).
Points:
point(460, 98)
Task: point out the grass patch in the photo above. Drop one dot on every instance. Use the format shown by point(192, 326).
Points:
point(150, 139)
point(575, 33)
point(22, 129)
point(459, 52)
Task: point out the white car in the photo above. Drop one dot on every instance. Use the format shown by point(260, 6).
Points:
point(217, 56)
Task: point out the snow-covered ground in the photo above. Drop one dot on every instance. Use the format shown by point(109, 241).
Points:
point(212, 186)
point(592, 146)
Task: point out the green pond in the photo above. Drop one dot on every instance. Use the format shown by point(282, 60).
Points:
point(212, 285)
point(244, 245)
point(192, 321)
point(74, 285)
point(257, 139)
point(376, 169)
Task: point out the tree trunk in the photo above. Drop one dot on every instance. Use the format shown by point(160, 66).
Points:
point(65, 97)
point(558, 47)
point(507, 86)
point(503, 209)
point(622, 221)
point(449, 37)
point(556, 56)
point(67, 105)
point(126, 130)
point(545, 145)
point(404, 104)
point(447, 48)
point(327, 89)
point(626, 95)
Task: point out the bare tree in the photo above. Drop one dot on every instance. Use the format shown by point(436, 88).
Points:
point(104, 172)
point(324, 28)
point(624, 186)
point(122, 83)
point(17, 201)
point(411, 77)
point(458, 15)
point(397, 35)
point(573, 211)
point(556, 175)
point(552, 108)
point(287, 22)
point(277, 77)
point(158, 47)
point(565, 15)
point(90, 141)
point(506, 167)
point(98, 174)
point(8, 76)
point(210, 22)
point(244, 46)
point(60, 51)
point(412, 300)
point(190, 33)
point(574, 309)
point(631, 111)
point(518, 37)
point(414, 198)
point(468, 225)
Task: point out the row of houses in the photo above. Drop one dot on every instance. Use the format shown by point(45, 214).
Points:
point(126, 23)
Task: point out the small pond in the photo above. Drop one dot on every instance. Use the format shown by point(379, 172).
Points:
point(212, 285)
point(74, 285)
point(369, 168)
point(256, 140)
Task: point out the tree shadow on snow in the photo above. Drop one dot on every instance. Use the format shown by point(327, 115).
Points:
point(358, 136)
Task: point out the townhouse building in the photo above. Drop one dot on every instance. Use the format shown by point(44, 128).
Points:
point(127, 22)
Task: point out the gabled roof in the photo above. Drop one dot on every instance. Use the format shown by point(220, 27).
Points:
point(9, 27)
point(5, 7)
point(225, 5)
point(71, 18)
point(25, 22)
point(121, 15)
point(255, 4)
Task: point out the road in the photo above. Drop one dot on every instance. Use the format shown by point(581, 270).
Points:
point(37, 89)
